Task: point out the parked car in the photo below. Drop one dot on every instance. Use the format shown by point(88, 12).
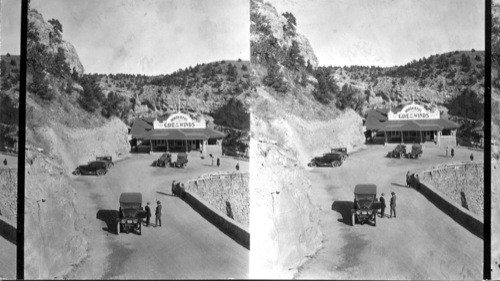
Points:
point(182, 160)
point(416, 151)
point(342, 151)
point(131, 213)
point(398, 152)
point(164, 160)
point(365, 204)
point(107, 159)
point(328, 159)
point(94, 167)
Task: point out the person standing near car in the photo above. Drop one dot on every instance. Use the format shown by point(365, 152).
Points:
point(218, 162)
point(158, 213)
point(173, 188)
point(148, 213)
point(393, 204)
point(408, 179)
point(452, 152)
point(382, 205)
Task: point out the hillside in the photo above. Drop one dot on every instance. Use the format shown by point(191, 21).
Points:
point(9, 100)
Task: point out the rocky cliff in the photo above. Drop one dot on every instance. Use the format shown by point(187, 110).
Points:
point(8, 194)
point(52, 39)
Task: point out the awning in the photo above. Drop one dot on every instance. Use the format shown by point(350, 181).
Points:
point(377, 120)
point(183, 134)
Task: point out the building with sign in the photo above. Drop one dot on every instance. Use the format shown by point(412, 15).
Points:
point(177, 133)
point(412, 123)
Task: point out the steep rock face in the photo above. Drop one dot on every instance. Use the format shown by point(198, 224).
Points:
point(53, 40)
point(284, 223)
point(276, 22)
point(54, 239)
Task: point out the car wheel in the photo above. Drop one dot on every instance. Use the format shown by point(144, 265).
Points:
point(313, 164)
point(78, 172)
point(99, 172)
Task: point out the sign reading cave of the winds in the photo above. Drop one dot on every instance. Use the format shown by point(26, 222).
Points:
point(179, 121)
point(413, 112)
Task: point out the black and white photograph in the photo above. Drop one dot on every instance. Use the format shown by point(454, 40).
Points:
point(137, 139)
point(367, 140)
point(10, 46)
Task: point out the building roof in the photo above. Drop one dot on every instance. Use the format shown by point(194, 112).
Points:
point(377, 120)
point(142, 128)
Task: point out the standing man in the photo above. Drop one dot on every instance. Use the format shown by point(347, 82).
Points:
point(446, 151)
point(173, 187)
point(417, 182)
point(382, 205)
point(237, 166)
point(5, 161)
point(218, 162)
point(471, 157)
point(393, 204)
point(158, 213)
point(452, 153)
point(148, 214)
point(408, 179)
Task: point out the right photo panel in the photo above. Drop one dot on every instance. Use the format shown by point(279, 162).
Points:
point(367, 139)
point(495, 141)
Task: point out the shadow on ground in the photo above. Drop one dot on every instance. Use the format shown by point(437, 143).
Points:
point(110, 218)
point(8, 232)
point(344, 208)
point(397, 184)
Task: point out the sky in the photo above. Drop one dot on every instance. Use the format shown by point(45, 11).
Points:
point(10, 27)
point(386, 32)
point(151, 36)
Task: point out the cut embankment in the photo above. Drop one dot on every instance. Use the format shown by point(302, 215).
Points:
point(8, 194)
point(54, 236)
point(284, 222)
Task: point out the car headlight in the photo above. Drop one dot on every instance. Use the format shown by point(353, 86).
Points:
point(358, 212)
point(369, 212)
point(123, 221)
point(136, 220)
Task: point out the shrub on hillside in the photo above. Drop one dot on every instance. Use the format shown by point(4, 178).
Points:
point(468, 105)
point(326, 89)
point(92, 96)
point(114, 105)
point(233, 114)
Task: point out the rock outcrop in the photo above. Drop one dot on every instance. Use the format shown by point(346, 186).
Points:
point(53, 40)
point(277, 23)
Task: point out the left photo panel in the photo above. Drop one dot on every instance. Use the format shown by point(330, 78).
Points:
point(10, 31)
point(137, 133)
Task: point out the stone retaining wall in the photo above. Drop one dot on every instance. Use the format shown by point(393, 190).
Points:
point(227, 192)
point(8, 194)
point(461, 182)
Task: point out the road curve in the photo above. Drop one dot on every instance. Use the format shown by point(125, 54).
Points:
point(421, 243)
point(186, 246)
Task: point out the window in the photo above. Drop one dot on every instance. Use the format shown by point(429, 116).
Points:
point(446, 132)
point(212, 141)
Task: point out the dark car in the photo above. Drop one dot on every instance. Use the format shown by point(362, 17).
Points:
point(328, 159)
point(416, 151)
point(164, 160)
point(107, 159)
point(398, 152)
point(365, 204)
point(131, 213)
point(182, 160)
point(342, 151)
point(94, 167)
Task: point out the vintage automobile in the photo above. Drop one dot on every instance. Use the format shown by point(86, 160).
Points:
point(365, 204)
point(416, 151)
point(107, 159)
point(131, 213)
point(398, 152)
point(182, 160)
point(342, 151)
point(328, 159)
point(164, 160)
point(93, 167)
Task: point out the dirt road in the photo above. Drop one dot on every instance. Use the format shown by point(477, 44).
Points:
point(186, 246)
point(421, 243)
